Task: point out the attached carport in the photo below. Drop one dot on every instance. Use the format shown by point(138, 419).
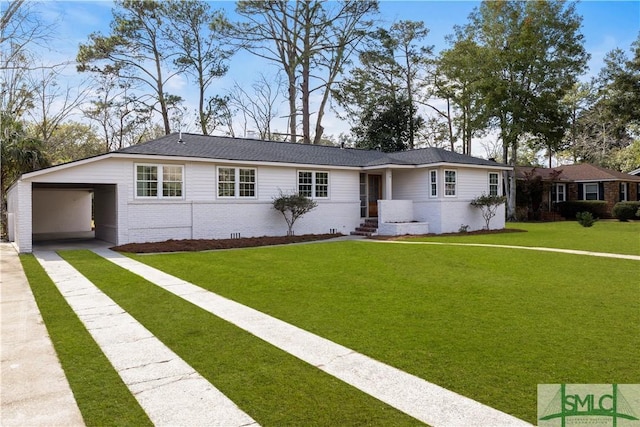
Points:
point(65, 211)
point(41, 210)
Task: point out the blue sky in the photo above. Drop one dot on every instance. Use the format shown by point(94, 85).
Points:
point(606, 25)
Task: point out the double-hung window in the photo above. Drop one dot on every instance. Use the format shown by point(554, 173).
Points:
point(624, 191)
point(236, 182)
point(591, 191)
point(450, 183)
point(494, 184)
point(433, 183)
point(560, 192)
point(172, 181)
point(159, 181)
point(313, 184)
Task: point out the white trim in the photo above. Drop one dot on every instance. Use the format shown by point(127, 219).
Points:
point(624, 186)
point(433, 173)
point(595, 181)
point(159, 188)
point(562, 185)
point(236, 185)
point(497, 184)
point(584, 190)
point(152, 158)
point(455, 183)
point(436, 165)
point(313, 183)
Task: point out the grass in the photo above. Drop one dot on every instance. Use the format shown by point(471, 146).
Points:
point(604, 236)
point(490, 324)
point(271, 386)
point(102, 397)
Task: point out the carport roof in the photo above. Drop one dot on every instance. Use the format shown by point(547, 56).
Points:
point(239, 149)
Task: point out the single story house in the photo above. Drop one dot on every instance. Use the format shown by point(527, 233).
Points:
point(188, 186)
point(581, 182)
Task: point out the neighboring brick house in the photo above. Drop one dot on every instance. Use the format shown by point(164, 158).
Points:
point(208, 187)
point(581, 182)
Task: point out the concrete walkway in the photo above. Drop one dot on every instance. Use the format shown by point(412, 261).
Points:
point(422, 400)
point(156, 375)
point(35, 391)
point(170, 391)
point(530, 248)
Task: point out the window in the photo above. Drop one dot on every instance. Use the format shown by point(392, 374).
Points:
point(172, 181)
point(236, 182)
point(305, 184)
point(247, 183)
point(150, 178)
point(560, 191)
point(146, 181)
point(226, 182)
point(433, 183)
point(624, 192)
point(449, 183)
point(591, 191)
point(494, 184)
point(313, 184)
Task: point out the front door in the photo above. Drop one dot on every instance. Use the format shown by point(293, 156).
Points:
point(374, 193)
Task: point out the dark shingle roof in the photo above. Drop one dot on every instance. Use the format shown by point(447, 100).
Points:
point(226, 148)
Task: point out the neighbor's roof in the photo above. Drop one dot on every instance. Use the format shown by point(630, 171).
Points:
point(239, 149)
point(580, 172)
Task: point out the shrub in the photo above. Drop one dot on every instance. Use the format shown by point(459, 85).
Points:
point(585, 219)
point(489, 206)
point(625, 211)
point(293, 206)
point(569, 210)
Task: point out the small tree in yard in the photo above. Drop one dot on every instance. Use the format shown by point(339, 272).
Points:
point(489, 206)
point(293, 206)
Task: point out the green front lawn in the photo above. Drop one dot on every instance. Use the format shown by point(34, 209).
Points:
point(273, 387)
point(490, 324)
point(605, 236)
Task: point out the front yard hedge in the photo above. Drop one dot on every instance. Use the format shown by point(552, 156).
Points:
point(625, 211)
point(569, 210)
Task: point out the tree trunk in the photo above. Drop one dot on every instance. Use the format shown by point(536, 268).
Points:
point(306, 112)
point(410, 99)
point(293, 112)
point(306, 71)
point(203, 120)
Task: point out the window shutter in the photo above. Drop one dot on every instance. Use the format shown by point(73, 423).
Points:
point(553, 193)
point(580, 191)
point(601, 191)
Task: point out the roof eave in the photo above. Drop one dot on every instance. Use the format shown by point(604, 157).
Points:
point(232, 161)
point(63, 166)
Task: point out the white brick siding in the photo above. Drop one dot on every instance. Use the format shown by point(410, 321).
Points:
point(121, 217)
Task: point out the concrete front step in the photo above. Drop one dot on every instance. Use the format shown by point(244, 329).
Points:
point(368, 228)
